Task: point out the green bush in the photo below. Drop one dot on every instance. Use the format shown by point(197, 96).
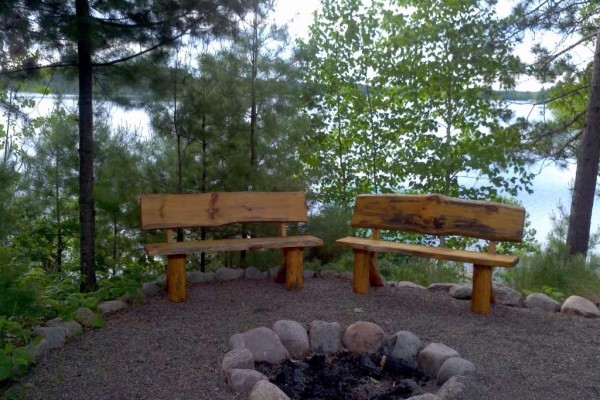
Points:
point(554, 272)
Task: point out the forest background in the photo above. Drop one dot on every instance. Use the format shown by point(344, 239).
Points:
point(388, 96)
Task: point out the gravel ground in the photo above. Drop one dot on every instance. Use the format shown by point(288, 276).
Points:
point(161, 350)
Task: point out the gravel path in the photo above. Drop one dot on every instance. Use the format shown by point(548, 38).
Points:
point(161, 350)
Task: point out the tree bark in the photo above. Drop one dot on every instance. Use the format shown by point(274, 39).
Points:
point(587, 168)
point(86, 154)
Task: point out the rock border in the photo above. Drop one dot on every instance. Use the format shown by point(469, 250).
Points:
point(573, 305)
point(436, 360)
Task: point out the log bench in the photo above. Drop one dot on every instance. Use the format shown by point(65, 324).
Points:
point(434, 215)
point(174, 211)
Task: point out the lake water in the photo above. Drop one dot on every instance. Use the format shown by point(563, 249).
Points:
point(551, 186)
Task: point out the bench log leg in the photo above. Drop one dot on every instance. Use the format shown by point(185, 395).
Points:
point(482, 289)
point(362, 263)
point(294, 277)
point(176, 278)
point(374, 277)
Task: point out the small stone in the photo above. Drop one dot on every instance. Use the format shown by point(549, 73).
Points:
point(265, 390)
point(440, 287)
point(243, 380)
point(228, 274)
point(308, 274)
point(237, 341)
point(85, 317)
point(541, 301)
point(111, 306)
point(576, 305)
point(324, 337)
point(454, 366)
point(404, 345)
point(273, 272)
point(254, 273)
point(150, 289)
point(200, 277)
point(329, 273)
point(237, 358)
point(56, 336)
point(364, 337)
point(432, 357)
point(72, 327)
point(293, 337)
point(461, 292)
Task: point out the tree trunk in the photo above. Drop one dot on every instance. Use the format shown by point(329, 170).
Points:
point(587, 168)
point(86, 154)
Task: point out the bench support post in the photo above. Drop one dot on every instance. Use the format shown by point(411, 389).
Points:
point(362, 264)
point(294, 277)
point(176, 278)
point(482, 289)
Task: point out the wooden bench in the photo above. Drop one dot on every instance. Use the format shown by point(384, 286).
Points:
point(173, 211)
point(434, 215)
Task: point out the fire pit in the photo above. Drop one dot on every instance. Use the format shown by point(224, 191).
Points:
point(362, 364)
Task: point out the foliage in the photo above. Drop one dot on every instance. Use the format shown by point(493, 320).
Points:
point(330, 223)
point(552, 271)
point(404, 100)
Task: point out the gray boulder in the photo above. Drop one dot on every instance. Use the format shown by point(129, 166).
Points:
point(293, 337)
point(56, 336)
point(408, 284)
point(308, 274)
point(85, 317)
point(254, 273)
point(228, 274)
point(161, 281)
point(72, 327)
point(329, 273)
point(454, 366)
point(440, 287)
point(432, 357)
point(243, 380)
point(39, 350)
point(461, 292)
point(200, 277)
point(453, 388)
point(404, 345)
point(237, 358)
point(426, 396)
point(541, 301)
point(507, 296)
point(364, 337)
point(150, 289)
point(111, 306)
point(576, 305)
point(347, 275)
point(263, 343)
point(324, 337)
point(265, 390)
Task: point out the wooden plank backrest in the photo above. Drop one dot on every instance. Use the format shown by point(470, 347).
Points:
point(440, 215)
point(162, 211)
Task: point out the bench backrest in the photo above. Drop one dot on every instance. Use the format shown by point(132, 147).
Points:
point(440, 215)
point(169, 211)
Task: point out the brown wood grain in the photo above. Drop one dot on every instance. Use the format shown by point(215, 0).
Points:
point(160, 211)
point(207, 246)
point(439, 253)
point(440, 215)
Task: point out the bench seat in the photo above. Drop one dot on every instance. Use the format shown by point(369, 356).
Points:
point(206, 246)
point(440, 216)
point(438, 253)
